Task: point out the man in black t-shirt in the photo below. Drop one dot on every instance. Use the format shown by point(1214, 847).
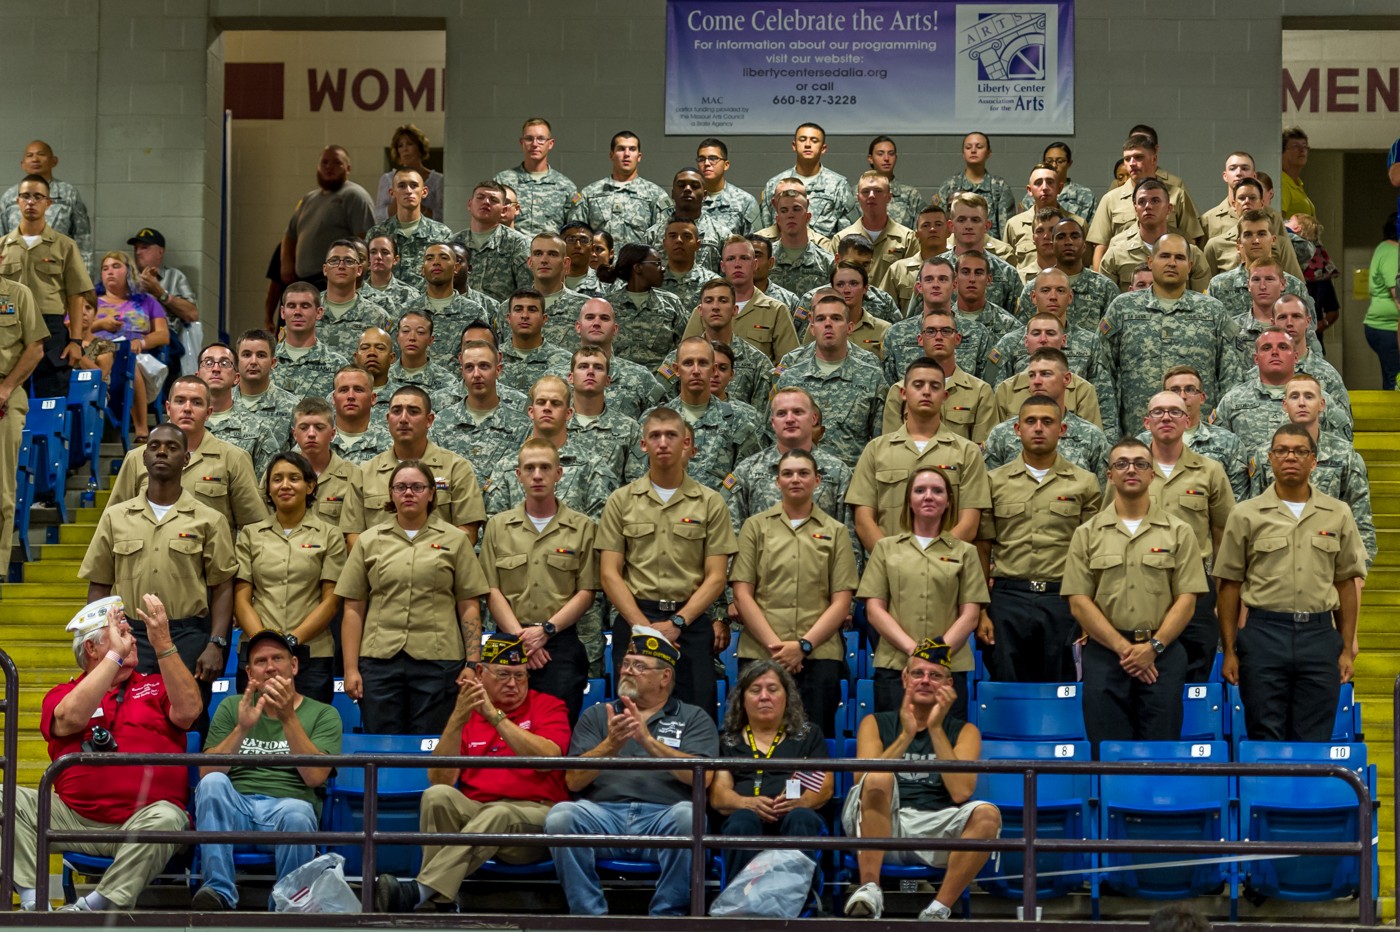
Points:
point(928, 805)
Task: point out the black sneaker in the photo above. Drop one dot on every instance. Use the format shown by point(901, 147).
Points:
point(208, 900)
point(392, 895)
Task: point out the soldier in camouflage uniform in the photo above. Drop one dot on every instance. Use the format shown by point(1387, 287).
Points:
point(375, 355)
point(414, 336)
point(632, 389)
point(728, 205)
point(359, 436)
point(1209, 440)
point(381, 287)
point(578, 242)
point(249, 432)
point(347, 313)
point(1082, 443)
point(451, 311)
point(799, 265)
point(497, 254)
point(905, 200)
point(67, 213)
point(549, 264)
point(992, 189)
point(852, 396)
point(1265, 288)
point(1293, 315)
point(1144, 333)
point(624, 204)
point(967, 221)
point(687, 197)
point(1074, 198)
point(763, 268)
point(544, 192)
point(1090, 292)
point(683, 277)
point(613, 436)
point(1049, 295)
point(526, 356)
point(483, 428)
point(411, 232)
point(305, 366)
point(1339, 472)
point(973, 276)
point(1256, 245)
point(723, 436)
point(588, 479)
point(255, 393)
point(1253, 410)
point(650, 321)
point(829, 196)
point(935, 291)
point(752, 370)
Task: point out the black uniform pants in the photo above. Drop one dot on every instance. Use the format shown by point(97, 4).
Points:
point(695, 672)
point(1289, 682)
point(819, 685)
point(50, 378)
point(1034, 634)
point(407, 696)
point(1120, 707)
point(1201, 638)
point(889, 692)
point(566, 674)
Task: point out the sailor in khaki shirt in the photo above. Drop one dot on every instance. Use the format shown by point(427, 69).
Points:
point(970, 411)
point(1080, 398)
point(1038, 499)
point(411, 587)
point(313, 432)
point(22, 336)
point(893, 241)
point(218, 474)
point(1131, 578)
point(793, 579)
point(1291, 557)
point(877, 489)
point(541, 562)
point(764, 321)
point(1195, 489)
point(170, 544)
point(458, 498)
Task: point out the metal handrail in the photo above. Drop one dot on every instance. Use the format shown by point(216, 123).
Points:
point(9, 706)
point(698, 841)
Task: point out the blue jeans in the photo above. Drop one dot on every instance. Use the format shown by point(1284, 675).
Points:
point(221, 808)
point(577, 867)
point(1383, 344)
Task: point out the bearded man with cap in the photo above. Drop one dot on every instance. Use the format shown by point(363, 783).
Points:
point(111, 707)
point(269, 719)
point(645, 721)
point(497, 714)
point(918, 805)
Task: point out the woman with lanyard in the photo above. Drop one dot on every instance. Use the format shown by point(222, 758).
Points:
point(765, 722)
point(405, 584)
point(923, 583)
point(793, 578)
point(287, 568)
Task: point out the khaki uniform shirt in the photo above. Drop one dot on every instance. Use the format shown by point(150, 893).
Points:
point(1134, 579)
point(333, 489)
point(764, 322)
point(868, 334)
point(923, 589)
point(457, 500)
point(970, 411)
point(52, 269)
point(1115, 213)
point(1288, 564)
point(1198, 492)
point(901, 277)
point(895, 242)
point(538, 571)
point(20, 325)
point(890, 459)
point(1127, 251)
point(794, 571)
point(218, 474)
point(1080, 398)
point(286, 572)
point(1031, 522)
point(1019, 234)
point(412, 587)
point(178, 558)
point(664, 544)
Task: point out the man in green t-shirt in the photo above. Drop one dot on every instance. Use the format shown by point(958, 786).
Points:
point(269, 718)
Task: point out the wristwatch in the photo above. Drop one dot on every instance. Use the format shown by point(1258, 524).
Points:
point(219, 642)
point(1157, 645)
point(806, 646)
point(292, 641)
point(679, 620)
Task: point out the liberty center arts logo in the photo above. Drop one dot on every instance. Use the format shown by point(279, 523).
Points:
point(1006, 60)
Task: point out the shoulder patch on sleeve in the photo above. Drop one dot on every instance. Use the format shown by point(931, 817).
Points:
point(578, 196)
point(994, 356)
point(800, 313)
point(1105, 326)
point(666, 371)
point(1253, 467)
point(730, 481)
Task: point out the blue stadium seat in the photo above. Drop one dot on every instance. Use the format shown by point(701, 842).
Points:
point(24, 498)
point(1203, 712)
point(348, 708)
point(47, 423)
point(87, 394)
point(721, 697)
point(400, 791)
point(594, 692)
point(1063, 810)
point(730, 658)
point(865, 703)
point(1347, 727)
point(1215, 666)
point(1029, 711)
point(223, 688)
point(1305, 809)
point(845, 713)
point(1166, 807)
point(231, 664)
point(120, 393)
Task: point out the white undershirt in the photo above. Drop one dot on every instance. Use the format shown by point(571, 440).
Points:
point(924, 541)
point(922, 445)
point(31, 241)
point(1038, 474)
point(665, 494)
point(540, 523)
point(1167, 470)
point(159, 510)
point(585, 419)
point(1297, 508)
point(1132, 524)
point(796, 522)
point(411, 534)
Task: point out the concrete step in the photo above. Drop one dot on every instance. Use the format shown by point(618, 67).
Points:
point(77, 533)
point(53, 572)
point(75, 552)
point(19, 609)
point(74, 588)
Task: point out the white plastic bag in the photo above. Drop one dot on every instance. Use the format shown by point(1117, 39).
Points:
point(192, 340)
point(774, 885)
point(318, 886)
point(154, 372)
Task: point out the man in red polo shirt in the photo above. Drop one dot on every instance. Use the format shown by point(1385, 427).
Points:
point(496, 715)
point(111, 707)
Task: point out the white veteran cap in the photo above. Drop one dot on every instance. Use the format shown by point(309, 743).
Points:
point(92, 616)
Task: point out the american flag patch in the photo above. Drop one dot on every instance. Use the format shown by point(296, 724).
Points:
point(730, 481)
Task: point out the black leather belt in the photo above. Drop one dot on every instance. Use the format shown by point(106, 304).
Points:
point(671, 607)
point(1292, 618)
point(1027, 585)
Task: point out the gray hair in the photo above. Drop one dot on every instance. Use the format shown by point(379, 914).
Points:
point(96, 634)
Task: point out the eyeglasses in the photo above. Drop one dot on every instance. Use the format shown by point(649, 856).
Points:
point(1187, 391)
point(933, 675)
point(1125, 465)
point(505, 675)
point(580, 239)
point(635, 666)
point(650, 262)
point(1165, 412)
point(1291, 453)
point(341, 262)
point(33, 198)
point(939, 331)
point(417, 488)
point(216, 364)
point(1055, 162)
point(706, 159)
point(534, 139)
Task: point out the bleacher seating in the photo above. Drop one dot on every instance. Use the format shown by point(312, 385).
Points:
point(47, 423)
point(24, 497)
point(121, 394)
point(400, 789)
point(1029, 711)
point(87, 394)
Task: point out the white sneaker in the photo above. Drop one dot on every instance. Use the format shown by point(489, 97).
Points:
point(936, 910)
point(866, 903)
